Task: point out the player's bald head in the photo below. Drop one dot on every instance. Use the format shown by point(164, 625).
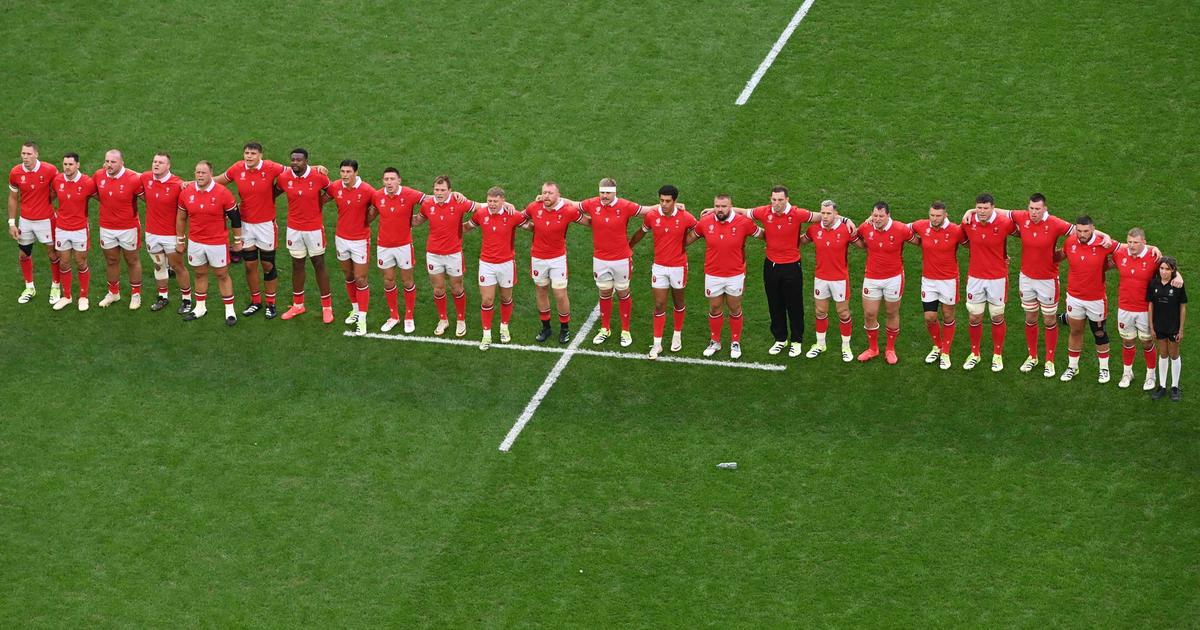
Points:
point(114, 161)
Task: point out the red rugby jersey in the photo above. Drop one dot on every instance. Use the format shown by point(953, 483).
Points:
point(1085, 267)
point(445, 224)
point(33, 186)
point(670, 233)
point(206, 210)
point(499, 232)
point(885, 248)
point(304, 198)
point(352, 202)
point(610, 223)
point(256, 189)
point(1135, 274)
point(939, 249)
point(118, 199)
point(73, 196)
point(831, 244)
point(1038, 241)
point(782, 231)
point(550, 228)
point(395, 215)
point(162, 202)
point(989, 242)
point(725, 243)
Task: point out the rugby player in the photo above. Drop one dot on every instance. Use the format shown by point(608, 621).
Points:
point(29, 192)
point(669, 227)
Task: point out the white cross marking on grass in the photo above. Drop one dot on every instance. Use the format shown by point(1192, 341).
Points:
point(774, 52)
point(544, 389)
point(571, 350)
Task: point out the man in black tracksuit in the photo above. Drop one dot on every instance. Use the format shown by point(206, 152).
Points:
point(783, 279)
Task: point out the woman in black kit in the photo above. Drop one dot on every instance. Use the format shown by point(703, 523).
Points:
point(1168, 306)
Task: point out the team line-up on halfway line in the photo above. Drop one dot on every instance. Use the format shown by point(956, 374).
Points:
point(195, 217)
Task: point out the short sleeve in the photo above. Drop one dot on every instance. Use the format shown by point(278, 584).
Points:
point(1183, 295)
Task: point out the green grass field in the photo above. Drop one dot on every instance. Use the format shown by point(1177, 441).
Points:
point(157, 474)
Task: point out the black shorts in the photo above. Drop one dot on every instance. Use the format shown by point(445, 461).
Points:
point(1166, 335)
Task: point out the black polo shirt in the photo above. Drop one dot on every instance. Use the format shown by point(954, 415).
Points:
point(1166, 300)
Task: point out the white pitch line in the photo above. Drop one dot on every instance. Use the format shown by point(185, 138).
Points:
point(770, 58)
point(455, 342)
point(551, 378)
point(665, 358)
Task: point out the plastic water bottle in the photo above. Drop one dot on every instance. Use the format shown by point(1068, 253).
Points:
point(728, 465)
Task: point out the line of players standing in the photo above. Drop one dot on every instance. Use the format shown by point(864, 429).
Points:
point(195, 217)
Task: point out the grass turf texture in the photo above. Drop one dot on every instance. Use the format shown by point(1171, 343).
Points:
point(157, 473)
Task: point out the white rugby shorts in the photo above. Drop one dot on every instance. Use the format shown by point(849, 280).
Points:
point(304, 243)
point(211, 255)
point(160, 243)
point(944, 291)
point(1036, 292)
point(492, 274)
point(663, 277)
point(1093, 310)
point(990, 290)
point(449, 264)
point(71, 239)
point(830, 289)
point(259, 235)
point(127, 240)
point(890, 289)
point(400, 256)
point(352, 250)
point(546, 271)
point(34, 231)
point(724, 285)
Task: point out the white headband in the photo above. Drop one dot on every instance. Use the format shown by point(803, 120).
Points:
point(611, 189)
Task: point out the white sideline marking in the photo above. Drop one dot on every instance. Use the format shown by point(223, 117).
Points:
point(665, 358)
point(770, 58)
point(555, 371)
